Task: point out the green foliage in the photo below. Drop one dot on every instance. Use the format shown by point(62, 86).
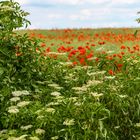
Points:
point(11, 16)
point(138, 19)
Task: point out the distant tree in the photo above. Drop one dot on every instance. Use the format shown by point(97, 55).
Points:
point(138, 20)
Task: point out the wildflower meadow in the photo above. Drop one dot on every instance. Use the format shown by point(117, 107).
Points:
point(71, 84)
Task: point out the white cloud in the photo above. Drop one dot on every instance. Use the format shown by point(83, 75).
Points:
point(81, 13)
point(22, 1)
point(54, 16)
point(124, 1)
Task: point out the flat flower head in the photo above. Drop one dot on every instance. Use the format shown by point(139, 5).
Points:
point(15, 99)
point(39, 131)
point(34, 138)
point(69, 122)
point(13, 110)
point(26, 127)
point(54, 138)
point(50, 110)
point(16, 93)
point(23, 103)
point(55, 93)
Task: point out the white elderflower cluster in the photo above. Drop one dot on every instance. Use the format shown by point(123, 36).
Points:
point(23, 137)
point(93, 83)
point(53, 104)
point(83, 88)
point(23, 103)
point(39, 131)
point(15, 99)
point(109, 77)
point(26, 127)
point(55, 138)
point(34, 138)
point(50, 110)
point(96, 95)
point(13, 109)
point(69, 122)
point(122, 96)
point(66, 63)
point(96, 73)
point(56, 93)
point(56, 86)
point(20, 93)
point(137, 125)
point(56, 53)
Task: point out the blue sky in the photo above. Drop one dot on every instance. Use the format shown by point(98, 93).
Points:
point(50, 14)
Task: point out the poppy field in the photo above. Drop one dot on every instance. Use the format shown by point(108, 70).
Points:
point(106, 48)
point(88, 88)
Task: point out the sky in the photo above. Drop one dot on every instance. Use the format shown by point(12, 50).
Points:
point(52, 14)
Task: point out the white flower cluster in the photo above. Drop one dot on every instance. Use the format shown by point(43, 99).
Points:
point(56, 86)
point(17, 94)
point(26, 127)
point(23, 103)
point(20, 93)
point(69, 122)
point(55, 93)
point(39, 131)
point(13, 109)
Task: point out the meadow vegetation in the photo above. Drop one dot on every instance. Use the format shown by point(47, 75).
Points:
point(72, 84)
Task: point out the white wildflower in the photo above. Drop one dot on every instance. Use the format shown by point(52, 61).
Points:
point(13, 109)
point(40, 117)
point(58, 88)
point(3, 131)
point(50, 110)
point(137, 125)
point(23, 103)
point(26, 127)
point(80, 88)
point(56, 53)
point(23, 136)
point(12, 138)
point(17, 93)
point(54, 138)
point(66, 63)
point(52, 103)
point(96, 73)
point(25, 92)
point(68, 122)
point(109, 77)
point(87, 67)
point(39, 131)
point(59, 97)
point(85, 126)
point(96, 95)
point(74, 99)
point(14, 99)
point(123, 96)
point(20, 93)
point(34, 138)
point(53, 85)
point(78, 104)
point(116, 127)
point(55, 93)
point(93, 83)
point(110, 52)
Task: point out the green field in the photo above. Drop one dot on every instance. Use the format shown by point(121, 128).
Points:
point(76, 84)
